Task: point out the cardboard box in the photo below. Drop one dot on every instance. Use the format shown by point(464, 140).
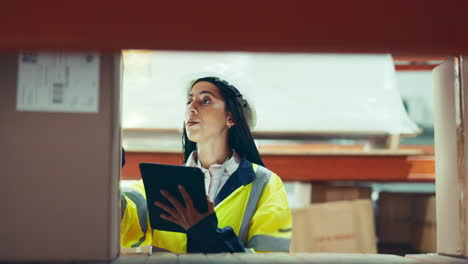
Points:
point(451, 153)
point(341, 227)
point(394, 218)
point(60, 174)
point(409, 219)
point(322, 193)
point(425, 238)
point(425, 226)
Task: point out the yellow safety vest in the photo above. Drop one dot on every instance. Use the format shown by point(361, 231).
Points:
point(253, 202)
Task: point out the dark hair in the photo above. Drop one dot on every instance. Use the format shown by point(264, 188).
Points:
point(239, 136)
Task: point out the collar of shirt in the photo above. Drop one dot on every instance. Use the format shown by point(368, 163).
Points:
point(231, 166)
point(214, 177)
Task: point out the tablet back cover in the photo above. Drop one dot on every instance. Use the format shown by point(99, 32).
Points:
point(158, 177)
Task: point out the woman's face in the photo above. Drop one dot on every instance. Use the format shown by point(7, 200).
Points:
point(205, 115)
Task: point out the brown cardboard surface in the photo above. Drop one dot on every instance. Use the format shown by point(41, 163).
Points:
point(394, 231)
point(425, 238)
point(332, 258)
point(408, 218)
point(267, 258)
point(463, 179)
point(450, 157)
point(342, 227)
point(327, 193)
point(394, 206)
point(425, 231)
point(436, 259)
point(424, 209)
point(60, 175)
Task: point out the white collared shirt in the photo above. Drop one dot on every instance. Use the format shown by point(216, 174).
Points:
point(213, 173)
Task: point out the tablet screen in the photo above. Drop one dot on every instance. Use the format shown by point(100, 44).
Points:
point(157, 177)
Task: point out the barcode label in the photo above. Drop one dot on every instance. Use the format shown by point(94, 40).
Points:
point(58, 93)
point(58, 82)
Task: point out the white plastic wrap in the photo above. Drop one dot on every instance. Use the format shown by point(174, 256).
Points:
point(291, 92)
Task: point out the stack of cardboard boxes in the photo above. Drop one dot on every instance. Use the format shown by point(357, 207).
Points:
point(341, 219)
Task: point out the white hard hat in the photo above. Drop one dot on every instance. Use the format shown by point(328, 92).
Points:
point(246, 103)
point(249, 111)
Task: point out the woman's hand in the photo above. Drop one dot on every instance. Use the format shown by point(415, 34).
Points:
point(184, 216)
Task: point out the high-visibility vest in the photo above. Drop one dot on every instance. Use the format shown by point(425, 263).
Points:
point(253, 202)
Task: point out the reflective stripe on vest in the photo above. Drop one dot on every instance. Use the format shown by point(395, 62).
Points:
point(123, 205)
point(262, 177)
point(269, 243)
point(142, 211)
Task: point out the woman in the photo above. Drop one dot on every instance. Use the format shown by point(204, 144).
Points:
point(248, 208)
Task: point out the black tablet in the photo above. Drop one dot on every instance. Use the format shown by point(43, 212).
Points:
point(157, 177)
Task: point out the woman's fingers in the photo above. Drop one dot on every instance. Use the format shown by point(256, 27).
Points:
point(184, 216)
point(187, 199)
point(170, 219)
point(172, 215)
point(167, 208)
point(177, 205)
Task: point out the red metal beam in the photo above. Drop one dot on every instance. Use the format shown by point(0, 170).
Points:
point(400, 26)
point(318, 168)
point(415, 67)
